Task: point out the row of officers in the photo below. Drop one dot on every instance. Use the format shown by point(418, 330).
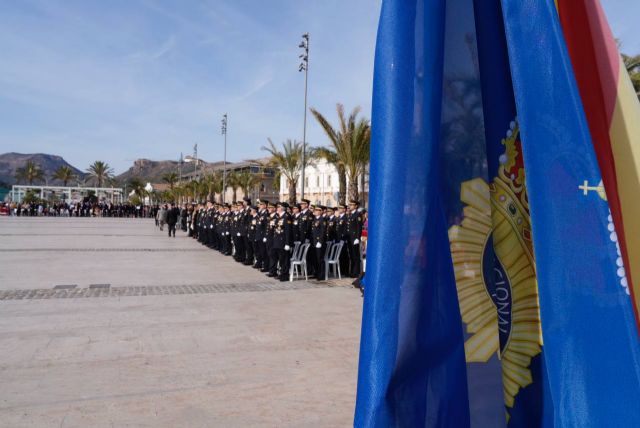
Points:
point(263, 235)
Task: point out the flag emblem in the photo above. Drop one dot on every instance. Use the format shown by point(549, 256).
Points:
point(495, 270)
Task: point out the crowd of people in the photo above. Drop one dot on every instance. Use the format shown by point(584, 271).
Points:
point(81, 209)
point(264, 235)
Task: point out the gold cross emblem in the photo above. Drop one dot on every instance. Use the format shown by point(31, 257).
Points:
point(599, 189)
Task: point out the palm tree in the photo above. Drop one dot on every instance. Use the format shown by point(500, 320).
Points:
point(233, 181)
point(64, 174)
point(210, 185)
point(191, 190)
point(138, 187)
point(216, 183)
point(171, 179)
point(247, 181)
point(330, 155)
point(359, 142)
point(30, 172)
point(632, 64)
point(100, 171)
point(334, 154)
point(289, 162)
point(349, 150)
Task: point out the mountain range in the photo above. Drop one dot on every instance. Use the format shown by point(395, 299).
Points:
point(10, 162)
point(145, 169)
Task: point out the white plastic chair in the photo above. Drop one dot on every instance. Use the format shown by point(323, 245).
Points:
point(327, 251)
point(332, 260)
point(296, 246)
point(299, 260)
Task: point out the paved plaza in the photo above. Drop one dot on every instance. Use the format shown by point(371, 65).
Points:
point(107, 322)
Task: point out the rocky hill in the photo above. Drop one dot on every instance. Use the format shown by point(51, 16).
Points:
point(10, 162)
point(152, 171)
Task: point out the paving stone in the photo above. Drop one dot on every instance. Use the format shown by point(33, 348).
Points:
point(183, 336)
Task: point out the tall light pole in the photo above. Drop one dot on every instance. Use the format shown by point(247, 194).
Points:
point(195, 155)
point(180, 162)
point(304, 66)
point(224, 167)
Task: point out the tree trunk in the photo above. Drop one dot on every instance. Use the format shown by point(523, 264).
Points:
point(235, 195)
point(342, 185)
point(363, 177)
point(292, 192)
point(353, 187)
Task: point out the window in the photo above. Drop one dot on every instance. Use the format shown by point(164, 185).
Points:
point(306, 182)
point(329, 180)
point(318, 181)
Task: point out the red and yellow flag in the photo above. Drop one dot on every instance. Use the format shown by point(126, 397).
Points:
point(613, 114)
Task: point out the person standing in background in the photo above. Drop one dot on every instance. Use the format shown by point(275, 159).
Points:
point(354, 233)
point(172, 219)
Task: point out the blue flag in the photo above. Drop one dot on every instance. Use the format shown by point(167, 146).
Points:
point(492, 294)
point(412, 366)
point(591, 347)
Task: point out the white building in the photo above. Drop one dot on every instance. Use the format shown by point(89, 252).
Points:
point(321, 185)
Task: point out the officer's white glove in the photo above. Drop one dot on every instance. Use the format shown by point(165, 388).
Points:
point(356, 242)
point(318, 245)
point(238, 234)
point(264, 239)
point(287, 248)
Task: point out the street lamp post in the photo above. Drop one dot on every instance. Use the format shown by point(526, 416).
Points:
point(195, 155)
point(304, 66)
point(224, 168)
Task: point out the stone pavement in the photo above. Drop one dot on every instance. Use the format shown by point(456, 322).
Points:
point(107, 322)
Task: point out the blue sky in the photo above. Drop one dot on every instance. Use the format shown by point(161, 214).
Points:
point(122, 79)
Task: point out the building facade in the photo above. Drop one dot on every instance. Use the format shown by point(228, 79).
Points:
point(322, 185)
point(264, 189)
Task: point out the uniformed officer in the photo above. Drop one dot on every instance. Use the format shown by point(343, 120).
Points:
point(318, 242)
point(304, 230)
point(304, 221)
point(214, 227)
point(246, 222)
point(341, 235)
point(354, 232)
point(296, 217)
point(226, 230)
point(238, 233)
point(261, 236)
point(272, 260)
point(209, 224)
point(283, 239)
point(252, 231)
point(331, 225)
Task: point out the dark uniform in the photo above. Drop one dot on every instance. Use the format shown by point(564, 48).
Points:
point(252, 232)
point(282, 242)
point(248, 243)
point(261, 240)
point(319, 244)
point(304, 230)
point(238, 235)
point(272, 264)
point(354, 233)
point(341, 235)
point(296, 227)
point(332, 226)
